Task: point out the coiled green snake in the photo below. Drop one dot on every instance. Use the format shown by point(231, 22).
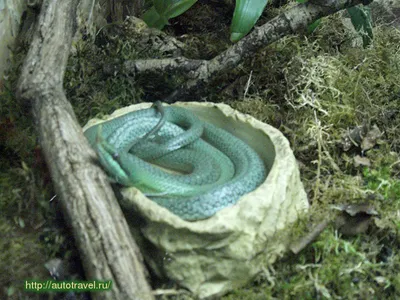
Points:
point(211, 168)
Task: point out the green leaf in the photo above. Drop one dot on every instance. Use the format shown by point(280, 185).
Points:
point(10, 291)
point(362, 22)
point(21, 222)
point(153, 19)
point(163, 10)
point(312, 26)
point(178, 8)
point(246, 14)
point(169, 3)
point(160, 6)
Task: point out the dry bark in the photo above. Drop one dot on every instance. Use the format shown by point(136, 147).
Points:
point(167, 65)
point(106, 246)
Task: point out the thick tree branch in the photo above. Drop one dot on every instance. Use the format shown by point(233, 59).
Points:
point(102, 235)
point(167, 65)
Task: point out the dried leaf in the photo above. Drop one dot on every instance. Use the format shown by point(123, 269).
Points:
point(55, 267)
point(348, 225)
point(354, 137)
point(354, 209)
point(369, 141)
point(361, 161)
point(355, 218)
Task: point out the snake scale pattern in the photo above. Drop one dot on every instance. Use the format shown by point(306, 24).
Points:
point(191, 167)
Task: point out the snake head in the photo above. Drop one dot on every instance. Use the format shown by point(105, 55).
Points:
point(99, 137)
point(106, 146)
point(110, 159)
point(114, 162)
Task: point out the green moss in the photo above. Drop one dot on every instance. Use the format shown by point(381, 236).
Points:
point(324, 96)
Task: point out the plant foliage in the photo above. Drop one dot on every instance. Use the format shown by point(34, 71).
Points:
point(246, 14)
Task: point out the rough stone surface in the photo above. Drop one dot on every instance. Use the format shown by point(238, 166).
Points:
point(213, 256)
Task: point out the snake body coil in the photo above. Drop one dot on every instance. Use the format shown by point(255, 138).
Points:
point(212, 168)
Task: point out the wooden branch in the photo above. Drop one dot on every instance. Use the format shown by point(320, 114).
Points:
point(102, 235)
point(166, 65)
point(289, 22)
